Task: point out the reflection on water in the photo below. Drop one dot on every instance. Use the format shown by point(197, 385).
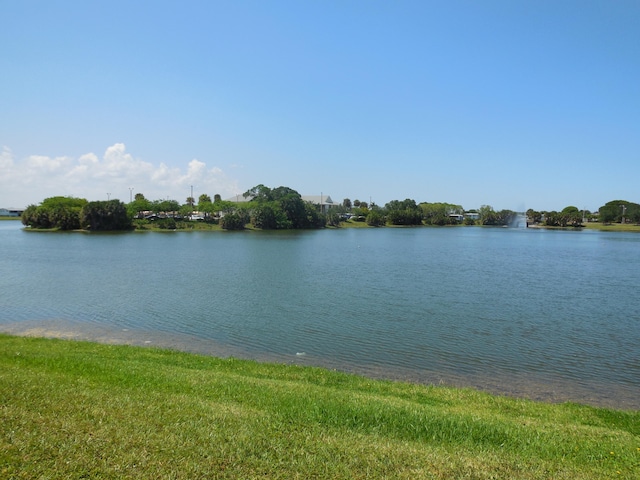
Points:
point(546, 315)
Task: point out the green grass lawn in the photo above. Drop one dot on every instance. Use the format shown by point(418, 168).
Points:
point(85, 410)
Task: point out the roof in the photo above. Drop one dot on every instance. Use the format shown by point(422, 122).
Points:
point(318, 199)
point(239, 199)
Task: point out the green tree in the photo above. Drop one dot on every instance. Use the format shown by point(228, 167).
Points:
point(294, 208)
point(224, 206)
point(534, 216)
point(314, 218)
point(209, 210)
point(487, 215)
point(633, 213)
point(259, 193)
point(281, 208)
point(168, 207)
point(404, 212)
point(619, 210)
point(333, 217)
point(607, 214)
point(571, 216)
point(205, 206)
point(264, 216)
point(232, 221)
point(139, 205)
point(346, 203)
point(30, 216)
point(375, 219)
point(55, 212)
point(185, 210)
point(105, 215)
point(506, 217)
point(438, 213)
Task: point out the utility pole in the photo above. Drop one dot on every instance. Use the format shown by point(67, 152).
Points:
point(130, 194)
point(108, 196)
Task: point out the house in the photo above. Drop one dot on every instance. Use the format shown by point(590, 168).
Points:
point(239, 198)
point(322, 201)
point(11, 212)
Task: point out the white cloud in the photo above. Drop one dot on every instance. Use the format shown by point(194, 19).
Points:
point(88, 159)
point(31, 180)
point(40, 163)
point(6, 160)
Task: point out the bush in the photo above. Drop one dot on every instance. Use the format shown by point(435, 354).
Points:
point(375, 219)
point(167, 224)
point(55, 212)
point(105, 216)
point(232, 221)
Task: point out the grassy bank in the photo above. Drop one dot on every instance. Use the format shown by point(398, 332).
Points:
point(612, 227)
point(84, 410)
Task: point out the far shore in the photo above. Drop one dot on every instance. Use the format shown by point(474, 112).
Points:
point(203, 226)
point(189, 226)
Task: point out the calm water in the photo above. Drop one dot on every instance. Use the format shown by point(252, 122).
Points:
point(550, 315)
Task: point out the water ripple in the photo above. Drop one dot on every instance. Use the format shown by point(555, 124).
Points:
point(495, 308)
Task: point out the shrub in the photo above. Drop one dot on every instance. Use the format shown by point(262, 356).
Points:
point(232, 221)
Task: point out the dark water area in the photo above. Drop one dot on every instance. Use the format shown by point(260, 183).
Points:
point(548, 315)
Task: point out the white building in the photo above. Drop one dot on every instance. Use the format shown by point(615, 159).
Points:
point(11, 212)
point(323, 201)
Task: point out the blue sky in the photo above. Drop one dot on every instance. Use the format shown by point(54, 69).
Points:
point(513, 104)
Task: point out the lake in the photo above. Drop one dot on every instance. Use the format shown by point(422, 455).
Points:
point(549, 315)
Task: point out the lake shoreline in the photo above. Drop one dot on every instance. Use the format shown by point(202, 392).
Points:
point(516, 387)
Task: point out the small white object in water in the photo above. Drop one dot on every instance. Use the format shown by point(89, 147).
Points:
point(147, 341)
point(300, 354)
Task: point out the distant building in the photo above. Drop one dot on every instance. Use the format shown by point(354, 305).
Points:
point(11, 212)
point(322, 201)
point(238, 199)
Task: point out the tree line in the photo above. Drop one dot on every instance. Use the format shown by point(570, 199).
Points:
point(283, 208)
point(615, 211)
point(69, 213)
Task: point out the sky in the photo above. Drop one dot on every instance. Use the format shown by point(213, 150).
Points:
point(508, 103)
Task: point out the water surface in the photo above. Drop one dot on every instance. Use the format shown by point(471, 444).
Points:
point(549, 315)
